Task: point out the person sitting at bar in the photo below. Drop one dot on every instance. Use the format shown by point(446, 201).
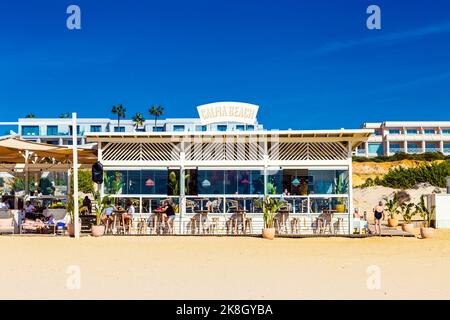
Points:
point(107, 215)
point(168, 215)
point(128, 215)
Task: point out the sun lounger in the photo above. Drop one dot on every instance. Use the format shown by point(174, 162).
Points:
point(7, 225)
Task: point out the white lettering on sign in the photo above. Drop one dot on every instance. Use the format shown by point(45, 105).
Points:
point(228, 112)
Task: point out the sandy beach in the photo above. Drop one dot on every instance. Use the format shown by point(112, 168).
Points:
point(39, 267)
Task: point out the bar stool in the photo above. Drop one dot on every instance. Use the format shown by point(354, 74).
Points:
point(295, 225)
point(214, 225)
point(248, 224)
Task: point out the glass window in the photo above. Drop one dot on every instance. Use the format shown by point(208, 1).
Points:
point(96, 128)
point(158, 129)
point(447, 147)
point(328, 181)
point(445, 131)
point(394, 131)
point(274, 182)
point(52, 130)
point(222, 127)
point(411, 131)
point(240, 127)
point(375, 148)
point(119, 129)
point(178, 128)
point(211, 181)
point(30, 130)
point(154, 182)
point(250, 127)
point(429, 131)
point(377, 132)
point(200, 128)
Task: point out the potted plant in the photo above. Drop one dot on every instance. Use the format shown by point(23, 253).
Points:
point(392, 207)
point(407, 214)
point(98, 229)
point(340, 187)
point(427, 214)
point(70, 207)
point(270, 207)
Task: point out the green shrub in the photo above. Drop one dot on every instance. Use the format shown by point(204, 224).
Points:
point(85, 183)
point(406, 178)
point(427, 156)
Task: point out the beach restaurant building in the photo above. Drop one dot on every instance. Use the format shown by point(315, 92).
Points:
point(221, 173)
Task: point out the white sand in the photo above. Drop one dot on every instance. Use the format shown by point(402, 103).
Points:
point(224, 268)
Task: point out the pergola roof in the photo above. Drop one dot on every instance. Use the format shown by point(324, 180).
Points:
point(13, 150)
point(355, 136)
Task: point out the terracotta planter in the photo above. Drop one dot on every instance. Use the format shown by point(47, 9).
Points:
point(408, 227)
point(426, 232)
point(98, 231)
point(392, 222)
point(340, 208)
point(268, 233)
point(71, 229)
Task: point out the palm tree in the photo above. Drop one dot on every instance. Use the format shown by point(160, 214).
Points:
point(65, 115)
point(156, 111)
point(120, 111)
point(30, 115)
point(138, 120)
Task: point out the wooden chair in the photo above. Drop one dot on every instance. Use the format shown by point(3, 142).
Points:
point(215, 205)
point(232, 205)
point(191, 205)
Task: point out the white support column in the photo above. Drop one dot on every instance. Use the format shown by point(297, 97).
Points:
point(75, 176)
point(387, 148)
point(350, 189)
point(182, 204)
point(441, 146)
point(27, 174)
point(366, 147)
point(100, 158)
point(423, 146)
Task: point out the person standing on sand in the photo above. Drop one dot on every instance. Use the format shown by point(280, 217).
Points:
point(378, 213)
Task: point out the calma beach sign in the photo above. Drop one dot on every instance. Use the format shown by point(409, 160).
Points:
point(228, 112)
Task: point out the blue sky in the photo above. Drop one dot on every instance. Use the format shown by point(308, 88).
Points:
point(308, 64)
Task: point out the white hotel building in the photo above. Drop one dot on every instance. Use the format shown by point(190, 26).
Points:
point(391, 137)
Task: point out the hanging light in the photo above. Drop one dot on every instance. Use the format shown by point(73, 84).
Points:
point(244, 181)
point(206, 183)
point(149, 183)
point(295, 182)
